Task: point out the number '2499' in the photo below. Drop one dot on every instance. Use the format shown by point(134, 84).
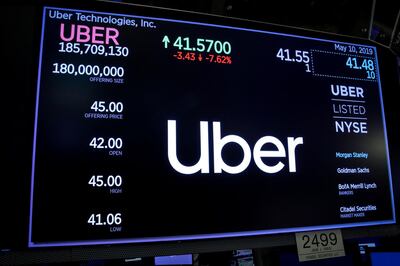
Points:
point(319, 239)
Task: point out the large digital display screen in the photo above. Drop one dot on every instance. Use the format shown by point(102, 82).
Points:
point(152, 129)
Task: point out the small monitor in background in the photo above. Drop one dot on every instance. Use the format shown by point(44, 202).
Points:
point(363, 247)
point(385, 258)
point(242, 257)
point(174, 260)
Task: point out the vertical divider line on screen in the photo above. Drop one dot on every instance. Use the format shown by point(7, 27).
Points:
point(312, 61)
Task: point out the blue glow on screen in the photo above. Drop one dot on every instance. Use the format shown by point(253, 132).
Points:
point(385, 258)
point(174, 260)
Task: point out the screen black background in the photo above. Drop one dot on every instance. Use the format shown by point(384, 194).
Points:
point(19, 79)
point(257, 95)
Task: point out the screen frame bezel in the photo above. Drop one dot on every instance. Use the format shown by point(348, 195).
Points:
point(206, 245)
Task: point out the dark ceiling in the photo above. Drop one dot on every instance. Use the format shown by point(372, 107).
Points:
point(348, 17)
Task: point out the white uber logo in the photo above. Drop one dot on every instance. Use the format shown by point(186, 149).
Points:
point(203, 164)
